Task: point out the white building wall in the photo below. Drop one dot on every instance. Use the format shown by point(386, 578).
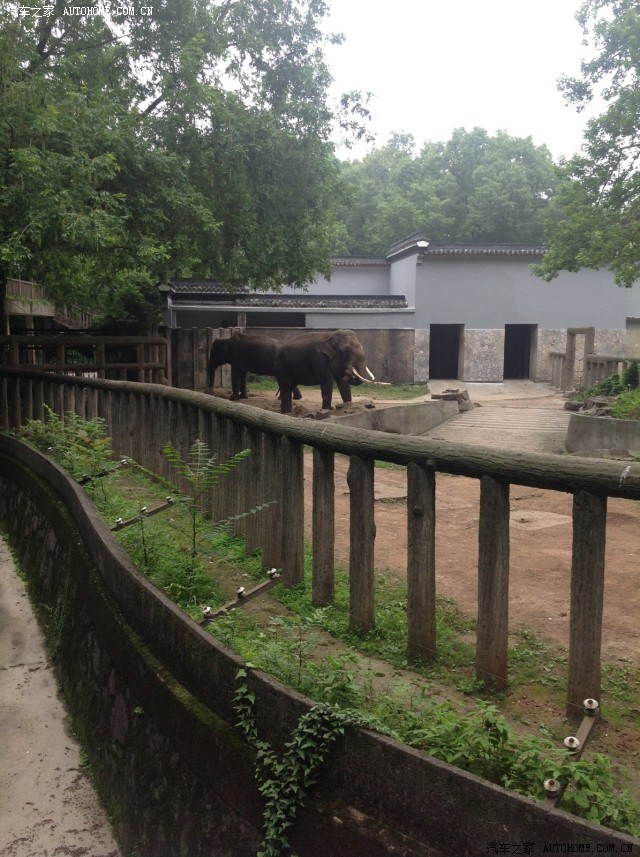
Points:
point(349, 280)
point(491, 292)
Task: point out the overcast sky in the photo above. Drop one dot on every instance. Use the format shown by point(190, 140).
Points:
point(436, 65)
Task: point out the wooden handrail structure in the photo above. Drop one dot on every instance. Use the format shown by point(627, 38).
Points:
point(140, 358)
point(141, 418)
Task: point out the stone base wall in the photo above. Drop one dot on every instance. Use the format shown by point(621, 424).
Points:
point(610, 342)
point(549, 339)
point(483, 359)
point(421, 356)
point(483, 352)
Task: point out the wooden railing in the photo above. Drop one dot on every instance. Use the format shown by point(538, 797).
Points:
point(139, 358)
point(142, 417)
point(25, 292)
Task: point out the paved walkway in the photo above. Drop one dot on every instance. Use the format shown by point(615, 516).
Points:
point(527, 429)
point(47, 802)
point(516, 415)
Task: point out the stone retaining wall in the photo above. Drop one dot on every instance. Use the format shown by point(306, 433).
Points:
point(586, 433)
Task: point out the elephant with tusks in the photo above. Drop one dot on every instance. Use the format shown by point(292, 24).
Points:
point(318, 357)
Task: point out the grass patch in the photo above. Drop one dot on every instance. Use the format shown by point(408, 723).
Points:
point(262, 384)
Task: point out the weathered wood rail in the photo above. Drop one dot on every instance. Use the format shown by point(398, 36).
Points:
point(142, 417)
point(139, 358)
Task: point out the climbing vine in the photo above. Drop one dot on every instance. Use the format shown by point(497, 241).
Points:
point(285, 782)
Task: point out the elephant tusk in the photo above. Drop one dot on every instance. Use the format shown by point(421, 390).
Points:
point(358, 375)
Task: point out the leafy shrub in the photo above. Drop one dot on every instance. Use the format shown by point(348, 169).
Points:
point(80, 446)
point(626, 406)
point(623, 391)
point(631, 375)
point(611, 386)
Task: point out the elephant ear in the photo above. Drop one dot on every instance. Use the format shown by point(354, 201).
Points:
point(329, 347)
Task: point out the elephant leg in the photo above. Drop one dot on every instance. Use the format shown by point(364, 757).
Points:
point(296, 393)
point(285, 399)
point(236, 383)
point(345, 389)
point(243, 384)
point(327, 392)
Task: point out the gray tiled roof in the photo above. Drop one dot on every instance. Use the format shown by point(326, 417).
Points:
point(214, 293)
point(484, 250)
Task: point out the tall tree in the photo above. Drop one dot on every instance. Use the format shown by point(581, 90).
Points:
point(596, 215)
point(190, 141)
point(472, 188)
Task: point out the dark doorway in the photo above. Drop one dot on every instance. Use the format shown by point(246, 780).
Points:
point(444, 350)
point(518, 339)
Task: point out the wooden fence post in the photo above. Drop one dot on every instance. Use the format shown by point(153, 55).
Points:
point(4, 403)
point(587, 595)
point(184, 358)
point(322, 586)
point(292, 474)
point(271, 480)
point(69, 400)
point(236, 478)
point(29, 399)
point(38, 401)
point(421, 561)
point(360, 479)
point(17, 402)
point(251, 476)
point(493, 583)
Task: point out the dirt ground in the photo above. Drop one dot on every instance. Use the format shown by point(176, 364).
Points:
point(541, 535)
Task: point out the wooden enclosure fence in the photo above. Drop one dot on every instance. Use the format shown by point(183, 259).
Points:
point(141, 418)
point(136, 358)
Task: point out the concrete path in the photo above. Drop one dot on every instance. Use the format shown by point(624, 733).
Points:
point(518, 415)
point(47, 802)
point(526, 429)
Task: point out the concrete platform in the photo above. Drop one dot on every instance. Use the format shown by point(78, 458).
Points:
point(526, 429)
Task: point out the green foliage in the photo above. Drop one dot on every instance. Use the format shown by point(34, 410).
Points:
point(388, 639)
point(80, 446)
point(472, 188)
point(285, 782)
point(262, 384)
point(631, 375)
point(593, 793)
point(625, 397)
point(532, 662)
point(199, 472)
point(595, 219)
point(626, 406)
point(161, 545)
point(191, 142)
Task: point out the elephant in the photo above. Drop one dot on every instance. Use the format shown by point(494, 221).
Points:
point(318, 357)
point(245, 353)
